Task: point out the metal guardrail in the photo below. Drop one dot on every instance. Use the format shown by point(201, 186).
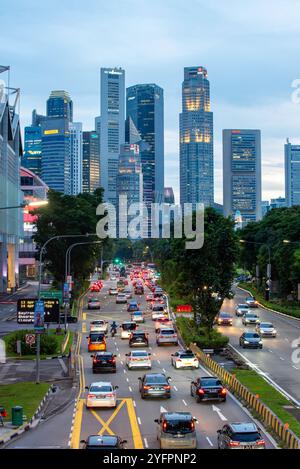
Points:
point(290, 440)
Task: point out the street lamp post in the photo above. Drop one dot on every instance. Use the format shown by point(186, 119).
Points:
point(269, 267)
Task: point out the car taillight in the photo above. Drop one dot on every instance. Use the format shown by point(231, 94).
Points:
point(233, 443)
point(260, 442)
point(178, 360)
point(167, 387)
point(91, 396)
point(164, 425)
point(200, 391)
point(95, 360)
point(192, 426)
point(147, 387)
point(109, 395)
point(223, 391)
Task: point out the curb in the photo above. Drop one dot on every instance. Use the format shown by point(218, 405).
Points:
point(32, 422)
point(270, 309)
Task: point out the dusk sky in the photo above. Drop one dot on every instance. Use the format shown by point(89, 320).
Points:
point(251, 52)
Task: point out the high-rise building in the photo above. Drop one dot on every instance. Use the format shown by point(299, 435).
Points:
point(56, 167)
point(32, 155)
point(60, 105)
point(292, 174)
point(10, 194)
point(242, 174)
point(196, 139)
point(169, 197)
point(90, 162)
point(112, 128)
point(145, 117)
point(75, 158)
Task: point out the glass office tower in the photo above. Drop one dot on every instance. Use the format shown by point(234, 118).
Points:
point(90, 162)
point(60, 105)
point(242, 174)
point(32, 155)
point(292, 174)
point(196, 139)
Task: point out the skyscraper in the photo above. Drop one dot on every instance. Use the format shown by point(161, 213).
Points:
point(169, 197)
point(112, 128)
point(292, 174)
point(32, 155)
point(242, 174)
point(196, 139)
point(75, 158)
point(60, 105)
point(91, 162)
point(145, 109)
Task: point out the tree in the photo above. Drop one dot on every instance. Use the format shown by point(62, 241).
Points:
point(66, 214)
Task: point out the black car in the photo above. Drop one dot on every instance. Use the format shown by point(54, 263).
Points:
point(208, 387)
point(240, 436)
point(155, 385)
point(104, 361)
point(105, 442)
point(251, 340)
point(138, 339)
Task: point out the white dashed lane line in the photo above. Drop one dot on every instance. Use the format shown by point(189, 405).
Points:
point(175, 388)
point(184, 402)
point(139, 420)
point(209, 441)
point(146, 443)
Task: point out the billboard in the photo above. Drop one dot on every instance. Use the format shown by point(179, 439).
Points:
point(26, 310)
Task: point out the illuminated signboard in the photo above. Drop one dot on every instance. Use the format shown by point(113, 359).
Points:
point(25, 310)
point(51, 132)
point(184, 309)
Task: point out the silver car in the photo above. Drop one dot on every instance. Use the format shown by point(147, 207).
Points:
point(266, 329)
point(241, 309)
point(250, 318)
point(176, 430)
point(166, 335)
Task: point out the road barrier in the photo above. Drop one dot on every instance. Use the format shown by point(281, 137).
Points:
point(269, 419)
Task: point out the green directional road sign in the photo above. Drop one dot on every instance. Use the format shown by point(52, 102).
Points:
point(53, 294)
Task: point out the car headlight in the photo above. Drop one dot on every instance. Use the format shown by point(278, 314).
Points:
point(274, 331)
point(246, 342)
point(260, 342)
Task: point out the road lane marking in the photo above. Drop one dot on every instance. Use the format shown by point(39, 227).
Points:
point(124, 371)
point(84, 316)
point(130, 389)
point(216, 409)
point(146, 443)
point(122, 363)
point(175, 388)
point(83, 327)
point(105, 425)
point(281, 358)
point(184, 402)
point(164, 370)
point(127, 379)
point(139, 420)
point(209, 441)
point(134, 403)
point(136, 434)
point(158, 361)
point(75, 440)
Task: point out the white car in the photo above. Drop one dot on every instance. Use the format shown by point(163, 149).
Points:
point(121, 298)
point(113, 291)
point(137, 316)
point(166, 335)
point(250, 318)
point(184, 359)
point(128, 293)
point(157, 312)
point(242, 309)
point(266, 329)
point(138, 359)
point(99, 326)
point(101, 394)
point(161, 322)
point(126, 328)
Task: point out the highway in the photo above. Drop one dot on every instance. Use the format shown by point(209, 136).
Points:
point(279, 359)
point(133, 419)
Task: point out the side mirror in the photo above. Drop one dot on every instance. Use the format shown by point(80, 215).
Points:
point(169, 378)
point(92, 356)
point(116, 387)
point(82, 441)
point(156, 420)
point(86, 387)
point(123, 442)
point(219, 431)
point(139, 378)
point(194, 419)
point(127, 354)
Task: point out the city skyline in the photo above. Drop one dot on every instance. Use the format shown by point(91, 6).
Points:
point(246, 87)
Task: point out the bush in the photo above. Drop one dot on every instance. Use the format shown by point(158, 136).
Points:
point(201, 336)
point(49, 343)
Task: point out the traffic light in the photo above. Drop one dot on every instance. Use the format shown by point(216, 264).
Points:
point(117, 261)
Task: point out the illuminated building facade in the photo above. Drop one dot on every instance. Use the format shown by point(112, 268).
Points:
point(292, 174)
point(32, 156)
point(90, 162)
point(196, 139)
point(242, 174)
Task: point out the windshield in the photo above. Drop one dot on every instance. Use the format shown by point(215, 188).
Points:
point(156, 380)
point(101, 389)
point(97, 323)
point(128, 327)
point(158, 308)
point(96, 338)
point(266, 325)
point(211, 382)
point(178, 426)
point(225, 315)
point(252, 336)
point(167, 331)
point(253, 436)
point(139, 354)
point(243, 306)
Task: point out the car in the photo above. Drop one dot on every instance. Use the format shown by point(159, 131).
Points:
point(101, 394)
point(139, 289)
point(158, 292)
point(162, 321)
point(224, 319)
point(104, 361)
point(251, 302)
point(150, 297)
point(121, 298)
point(93, 303)
point(113, 291)
point(137, 316)
point(95, 288)
point(157, 312)
point(266, 329)
point(138, 339)
point(96, 342)
point(240, 436)
point(155, 385)
point(126, 328)
point(250, 318)
point(241, 309)
point(251, 340)
point(113, 278)
point(166, 335)
point(104, 442)
point(132, 306)
point(176, 430)
point(138, 359)
point(184, 359)
point(208, 388)
point(128, 293)
point(100, 325)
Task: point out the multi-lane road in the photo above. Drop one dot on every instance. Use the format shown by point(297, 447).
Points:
point(279, 359)
point(133, 419)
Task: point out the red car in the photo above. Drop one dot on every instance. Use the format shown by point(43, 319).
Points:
point(95, 288)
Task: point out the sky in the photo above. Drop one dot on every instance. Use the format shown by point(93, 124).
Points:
point(250, 49)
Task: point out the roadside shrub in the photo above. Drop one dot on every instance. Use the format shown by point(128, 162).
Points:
point(202, 337)
point(49, 343)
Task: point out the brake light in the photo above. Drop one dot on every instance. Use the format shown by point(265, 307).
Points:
point(91, 396)
point(200, 391)
point(167, 387)
point(223, 391)
point(109, 395)
point(234, 443)
point(260, 442)
point(164, 425)
point(94, 360)
point(147, 387)
point(179, 360)
point(192, 426)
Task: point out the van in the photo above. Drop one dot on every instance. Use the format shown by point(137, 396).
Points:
point(176, 430)
point(96, 342)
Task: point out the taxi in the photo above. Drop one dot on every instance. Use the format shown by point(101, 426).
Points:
point(96, 342)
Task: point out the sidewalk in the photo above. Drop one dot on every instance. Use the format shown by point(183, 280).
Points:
point(24, 370)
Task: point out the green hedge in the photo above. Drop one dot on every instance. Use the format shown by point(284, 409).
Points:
point(49, 343)
point(191, 333)
point(293, 311)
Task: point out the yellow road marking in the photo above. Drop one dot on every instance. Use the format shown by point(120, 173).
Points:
point(83, 327)
point(75, 441)
point(84, 316)
point(105, 425)
point(136, 434)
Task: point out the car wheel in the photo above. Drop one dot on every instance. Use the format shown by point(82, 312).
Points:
point(142, 396)
point(192, 394)
point(198, 400)
point(224, 399)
